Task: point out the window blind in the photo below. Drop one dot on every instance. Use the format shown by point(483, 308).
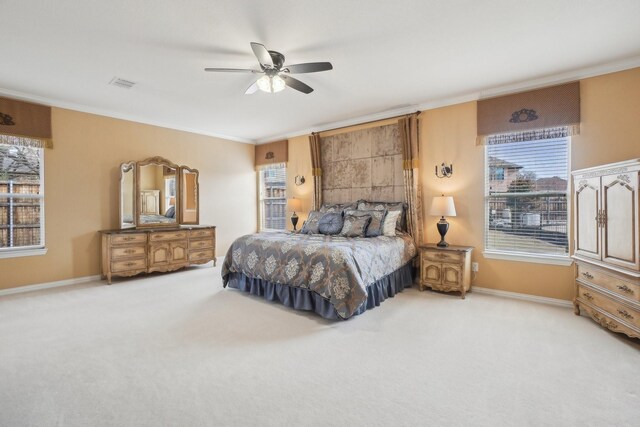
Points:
point(273, 198)
point(526, 187)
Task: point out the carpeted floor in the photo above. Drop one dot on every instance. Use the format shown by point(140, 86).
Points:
point(179, 350)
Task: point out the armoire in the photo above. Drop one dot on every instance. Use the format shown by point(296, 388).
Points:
point(607, 245)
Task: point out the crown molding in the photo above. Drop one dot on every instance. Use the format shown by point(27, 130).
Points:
point(51, 102)
point(530, 84)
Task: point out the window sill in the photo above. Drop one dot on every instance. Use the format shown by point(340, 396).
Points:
point(537, 259)
point(15, 253)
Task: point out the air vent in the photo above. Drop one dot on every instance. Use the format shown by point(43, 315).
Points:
point(126, 84)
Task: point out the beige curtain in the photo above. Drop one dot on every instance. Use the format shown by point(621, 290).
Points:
point(316, 165)
point(25, 124)
point(408, 126)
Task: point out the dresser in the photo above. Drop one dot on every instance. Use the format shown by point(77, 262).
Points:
point(446, 269)
point(134, 251)
point(607, 245)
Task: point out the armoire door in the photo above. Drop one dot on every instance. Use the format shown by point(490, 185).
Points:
point(587, 202)
point(620, 225)
point(179, 252)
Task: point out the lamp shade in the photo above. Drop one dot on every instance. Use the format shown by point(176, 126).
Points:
point(442, 206)
point(294, 205)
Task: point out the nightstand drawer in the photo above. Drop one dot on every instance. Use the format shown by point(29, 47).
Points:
point(443, 256)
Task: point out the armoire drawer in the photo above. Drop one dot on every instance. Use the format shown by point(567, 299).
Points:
point(132, 264)
point(121, 239)
point(128, 252)
point(609, 305)
point(162, 236)
point(197, 234)
point(593, 275)
point(199, 244)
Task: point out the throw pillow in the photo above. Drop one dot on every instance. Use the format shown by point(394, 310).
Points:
point(337, 207)
point(389, 227)
point(330, 223)
point(355, 226)
point(311, 224)
point(364, 205)
point(377, 220)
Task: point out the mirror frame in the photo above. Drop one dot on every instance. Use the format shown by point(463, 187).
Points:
point(159, 161)
point(129, 166)
point(182, 194)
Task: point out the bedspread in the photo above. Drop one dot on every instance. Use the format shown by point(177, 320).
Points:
point(337, 268)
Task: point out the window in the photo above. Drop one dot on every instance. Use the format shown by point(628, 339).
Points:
point(273, 199)
point(526, 200)
point(21, 201)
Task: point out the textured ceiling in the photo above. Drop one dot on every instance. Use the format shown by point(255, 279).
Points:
point(388, 57)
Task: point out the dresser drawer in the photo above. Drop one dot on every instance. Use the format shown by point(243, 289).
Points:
point(621, 287)
point(128, 252)
point(163, 236)
point(442, 256)
point(201, 255)
point(196, 234)
point(121, 239)
point(199, 244)
point(607, 304)
point(132, 264)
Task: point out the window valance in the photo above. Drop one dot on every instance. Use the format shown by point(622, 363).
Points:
point(273, 152)
point(25, 124)
point(537, 114)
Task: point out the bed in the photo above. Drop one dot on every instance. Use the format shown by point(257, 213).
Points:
point(337, 277)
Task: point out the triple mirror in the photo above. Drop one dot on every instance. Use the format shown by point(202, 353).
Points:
point(156, 192)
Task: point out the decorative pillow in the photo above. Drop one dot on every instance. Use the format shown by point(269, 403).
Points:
point(355, 226)
point(390, 221)
point(331, 223)
point(171, 212)
point(364, 205)
point(338, 207)
point(311, 224)
point(377, 220)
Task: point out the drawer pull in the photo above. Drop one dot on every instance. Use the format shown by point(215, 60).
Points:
point(130, 264)
point(625, 314)
point(129, 238)
point(587, 275)
point(441, 255)
point(129, 251)
point(587, 295)
point(625, 288)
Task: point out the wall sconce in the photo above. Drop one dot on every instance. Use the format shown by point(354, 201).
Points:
point(299, 180)
point(445, 171)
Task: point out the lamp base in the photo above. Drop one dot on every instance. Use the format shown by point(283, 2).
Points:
point(294, 220)
point(443, 227)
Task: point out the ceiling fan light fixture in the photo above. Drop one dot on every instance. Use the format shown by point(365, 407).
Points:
point(271, 84)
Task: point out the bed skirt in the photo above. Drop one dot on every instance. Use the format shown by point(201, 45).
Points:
point(305, 299)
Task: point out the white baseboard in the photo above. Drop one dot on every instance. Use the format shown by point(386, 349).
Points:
point(76, 281)
point(524, 297)
point(48, 285)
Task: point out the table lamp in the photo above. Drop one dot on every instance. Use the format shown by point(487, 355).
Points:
point(294, 205)
point(442, 206)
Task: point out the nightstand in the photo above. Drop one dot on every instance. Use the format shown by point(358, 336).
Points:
point(446, 269)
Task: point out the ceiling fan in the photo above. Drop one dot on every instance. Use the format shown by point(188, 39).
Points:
point(276, 74)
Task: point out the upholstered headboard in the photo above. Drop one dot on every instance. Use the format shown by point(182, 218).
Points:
point(363, 164)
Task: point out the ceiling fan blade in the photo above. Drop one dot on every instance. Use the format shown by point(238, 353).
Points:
point(233, 70)
point(262, 54)
point(296, 84)
point(252, 89)
point(309, 67)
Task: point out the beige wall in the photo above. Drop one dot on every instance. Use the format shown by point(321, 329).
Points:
point(610, 132)
point(82, 189)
